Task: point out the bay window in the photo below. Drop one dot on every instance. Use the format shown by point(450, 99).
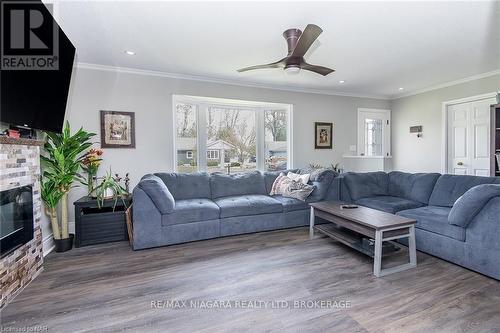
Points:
point(231, 136)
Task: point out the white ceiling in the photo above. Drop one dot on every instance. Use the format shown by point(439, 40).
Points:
point(376, 47)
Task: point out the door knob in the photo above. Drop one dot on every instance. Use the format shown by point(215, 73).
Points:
point(460, 163)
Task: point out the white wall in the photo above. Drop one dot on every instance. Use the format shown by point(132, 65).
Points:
point(150, 97)
point(414, 154)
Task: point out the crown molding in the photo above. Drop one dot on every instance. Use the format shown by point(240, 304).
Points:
point(128, 70)
point(448, 84)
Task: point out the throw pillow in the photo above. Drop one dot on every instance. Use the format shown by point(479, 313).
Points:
point(298, 190)
point(304, 179)
point(280, 184)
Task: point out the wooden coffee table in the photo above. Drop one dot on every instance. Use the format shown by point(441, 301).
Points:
point(372, 223)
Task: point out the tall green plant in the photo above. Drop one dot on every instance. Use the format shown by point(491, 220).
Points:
point(61, 160)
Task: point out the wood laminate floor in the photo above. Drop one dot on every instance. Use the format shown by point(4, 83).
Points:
point(110, 288)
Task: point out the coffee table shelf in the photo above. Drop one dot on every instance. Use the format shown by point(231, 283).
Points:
point(355, 241)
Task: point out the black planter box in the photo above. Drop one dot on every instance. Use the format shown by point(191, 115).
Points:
point(94, 225)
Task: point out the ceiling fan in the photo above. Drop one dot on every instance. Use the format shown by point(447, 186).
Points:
point(298, 43)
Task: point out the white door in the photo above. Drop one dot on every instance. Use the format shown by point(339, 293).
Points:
point(469, 138)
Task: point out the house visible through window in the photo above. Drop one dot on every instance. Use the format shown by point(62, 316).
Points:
point(238, 136)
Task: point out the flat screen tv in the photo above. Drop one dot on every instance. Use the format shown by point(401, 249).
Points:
point(36, 98)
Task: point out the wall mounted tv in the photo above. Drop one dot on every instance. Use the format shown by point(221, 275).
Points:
point(35, 94)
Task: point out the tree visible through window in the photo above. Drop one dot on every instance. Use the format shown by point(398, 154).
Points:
point(186, 143)
point(276, 144)
point(231, 132)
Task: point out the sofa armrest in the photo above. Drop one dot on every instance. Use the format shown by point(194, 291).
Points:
point(471, 203)
point(321, 180)
point(158, 192)
point(484, 229)
point(146, 221)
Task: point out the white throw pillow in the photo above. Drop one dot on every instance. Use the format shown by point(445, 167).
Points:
point(304, 179)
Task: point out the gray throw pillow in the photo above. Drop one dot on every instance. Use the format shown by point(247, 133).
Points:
point(298, 190)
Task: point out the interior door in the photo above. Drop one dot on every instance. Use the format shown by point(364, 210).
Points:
point(469, 138)
point(480, 117)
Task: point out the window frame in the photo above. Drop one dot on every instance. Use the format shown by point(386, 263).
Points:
point(385, 116)
point(189, 153)
point(203, 103)
point(216, 154)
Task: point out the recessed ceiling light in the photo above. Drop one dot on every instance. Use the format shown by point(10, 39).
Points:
point(401, 88)
point(129, 52)
point(341, 81)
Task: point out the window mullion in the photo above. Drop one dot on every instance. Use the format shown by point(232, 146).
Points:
point(260, 134)
point(202, 136)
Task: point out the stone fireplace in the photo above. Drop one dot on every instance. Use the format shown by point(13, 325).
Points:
point(20, 168)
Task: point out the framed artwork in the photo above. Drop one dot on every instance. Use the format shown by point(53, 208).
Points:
point(323, 135)
point(117, 129)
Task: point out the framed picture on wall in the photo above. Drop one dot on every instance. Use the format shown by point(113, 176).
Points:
point(117, 129)
point(323, 135)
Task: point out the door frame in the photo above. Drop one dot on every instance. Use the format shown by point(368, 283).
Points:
point(444, 124)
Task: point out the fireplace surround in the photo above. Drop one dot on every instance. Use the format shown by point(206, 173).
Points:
point(20, 169)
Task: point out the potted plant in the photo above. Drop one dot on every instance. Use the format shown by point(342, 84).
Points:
point(90, 164)
point(110, 188)
point(61, 161)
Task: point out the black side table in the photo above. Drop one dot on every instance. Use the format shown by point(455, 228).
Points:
point(94, 225)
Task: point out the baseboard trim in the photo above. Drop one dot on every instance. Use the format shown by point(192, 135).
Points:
point(48, 244)
point(48, 241)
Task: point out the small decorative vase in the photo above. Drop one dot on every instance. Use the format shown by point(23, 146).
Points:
point(109, 193)
point(92, 185)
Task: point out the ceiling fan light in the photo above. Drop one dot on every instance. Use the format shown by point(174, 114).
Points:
point(294, 70)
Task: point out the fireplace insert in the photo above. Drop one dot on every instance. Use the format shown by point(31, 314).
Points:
point(16, 218)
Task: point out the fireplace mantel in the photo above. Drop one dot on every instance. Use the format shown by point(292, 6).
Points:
point(20, 141)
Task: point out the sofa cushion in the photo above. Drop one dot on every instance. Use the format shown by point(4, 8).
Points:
point(434, 219)
point(187, 185)
point(388, 204)
point(251, 204)
point(291, 204)
point(158, 192)
point(451, 187)
point(191, 210)
point(365, 185)
point(224, 185)
point(414, 186)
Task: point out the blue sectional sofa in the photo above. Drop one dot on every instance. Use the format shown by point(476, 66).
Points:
point(458, 217)
point(171, 208)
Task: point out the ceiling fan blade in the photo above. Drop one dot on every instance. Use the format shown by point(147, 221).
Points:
point(308, 37)
point(316, 69)
point(277, 64)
